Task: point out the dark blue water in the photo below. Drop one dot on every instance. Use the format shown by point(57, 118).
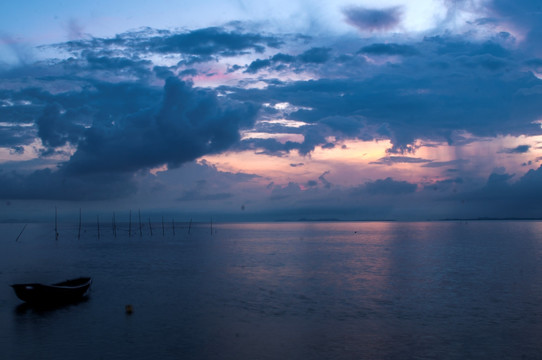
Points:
point(439, 290)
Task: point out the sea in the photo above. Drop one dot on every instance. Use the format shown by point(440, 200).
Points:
point(284, 290)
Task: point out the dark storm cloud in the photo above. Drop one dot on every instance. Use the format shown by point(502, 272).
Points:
point(373, 19)
point(187, 124)
point(477, 86)
point(458, 84)
point(125, 136)
point(104, 99)
point(108, 108)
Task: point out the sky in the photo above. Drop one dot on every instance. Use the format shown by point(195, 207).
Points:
point(244, 111)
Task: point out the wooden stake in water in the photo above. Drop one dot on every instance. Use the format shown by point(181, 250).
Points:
point(114, 225)
point(189, 226)
point(130, 225)
point(140, 229)
point(24, 227)
point(56, 225)
point(150, 226)
point(79, 232)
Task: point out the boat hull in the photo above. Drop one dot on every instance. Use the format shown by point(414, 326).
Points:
point(61, 293)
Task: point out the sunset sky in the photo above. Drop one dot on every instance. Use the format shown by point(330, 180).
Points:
point(240, 110)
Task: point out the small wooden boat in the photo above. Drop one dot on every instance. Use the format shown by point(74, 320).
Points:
point(64, 292)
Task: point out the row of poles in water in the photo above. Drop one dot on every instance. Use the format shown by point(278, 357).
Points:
point(114, 225)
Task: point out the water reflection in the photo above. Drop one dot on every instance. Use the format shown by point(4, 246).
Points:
point(296, 290)
point(45, 309)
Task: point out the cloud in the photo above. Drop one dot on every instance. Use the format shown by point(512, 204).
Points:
point(315, 55)
point(456, 91)
point(187, 124)
point(520, 149)
point(118, 129)
point(500, 197)
point(257, 65)
point(444, 185)
point(523, 14)
point(209, 41)
point(373, 19)
point(122, 108)
point(47, 184)
point(285, 192)
point(201, 193)
point(56, 129)
point(344, 124)
point(388, 186)
point(390, 160)
point(75, 30)
point(388, 49)
point(324, 181)
point(16, 135)
point(437, 164)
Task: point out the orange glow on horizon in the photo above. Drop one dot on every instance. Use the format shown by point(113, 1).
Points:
point(354, 162)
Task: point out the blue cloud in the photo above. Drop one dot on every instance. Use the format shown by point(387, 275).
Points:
point(437, 164)
point(389, 160)
point(315, 55)
point(389, 49)
point(56, 129)
point(388, 186)
point(525, 14)
point(208, 41)
point(450, 94)
point(47, 184)
point(373, 19)
point(520, 149)
point(187, 124)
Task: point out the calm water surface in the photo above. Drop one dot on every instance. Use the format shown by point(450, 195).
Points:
point(439, 290)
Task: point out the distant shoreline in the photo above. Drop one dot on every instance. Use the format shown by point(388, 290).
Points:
point(308, 220)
